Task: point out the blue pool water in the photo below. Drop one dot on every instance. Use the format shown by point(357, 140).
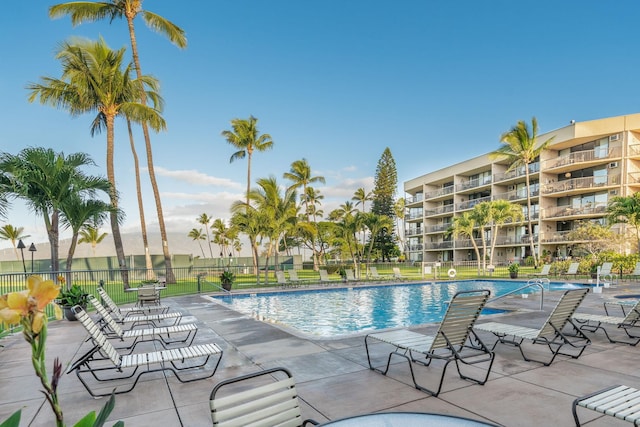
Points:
point(333, 312)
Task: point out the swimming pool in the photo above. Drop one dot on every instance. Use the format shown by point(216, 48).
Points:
point(332, 312)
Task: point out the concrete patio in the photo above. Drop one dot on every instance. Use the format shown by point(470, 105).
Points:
point(332, 374)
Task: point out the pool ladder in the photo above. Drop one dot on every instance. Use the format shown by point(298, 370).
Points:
point(531, 283)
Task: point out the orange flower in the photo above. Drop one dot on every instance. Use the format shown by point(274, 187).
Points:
point(13, 307)
point(42, 291)
point(16, 306)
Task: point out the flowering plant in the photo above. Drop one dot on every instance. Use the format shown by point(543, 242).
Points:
point(27, 309)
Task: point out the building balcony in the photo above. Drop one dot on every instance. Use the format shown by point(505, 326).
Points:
point(415, 199)
point(414, 248)
point(471, 203)
point(437, 228)
point(440, 192)
point(438, 245)
point(534, 168)
point(556, 237)
point(473, 183)
point(579, 185)
point(572, 211)
point(581, 157)
point(439, 211)
point(413, 232)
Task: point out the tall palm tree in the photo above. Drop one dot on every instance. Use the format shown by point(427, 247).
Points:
point(78, 213)
point(89, 11)
point(249, 221)
point(625, 210)
point(220, 235)
point(197, 234)
point(91, 234)
point(521, 148)
point(246, 138)
point(375, 224)
point(46, 181)
point(93, 81)
point(502, 212)
point(205, 219)
point(300, 176)
point(464, 225)
point(13, 234)
point(399, 210)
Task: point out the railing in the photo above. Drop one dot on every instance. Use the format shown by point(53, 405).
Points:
point(533, 168)
point(471, 203)
point(579, 183)
point(582, 157)
point(531, 283)
point(439, 192)
point(440, 210)
point(587, 209)
point(473, 183)
point(415, 199)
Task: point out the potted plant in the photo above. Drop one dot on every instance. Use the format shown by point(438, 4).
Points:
point(226, 279)
point(513, 270)
point(70, 297)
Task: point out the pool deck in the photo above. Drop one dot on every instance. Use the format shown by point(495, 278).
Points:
point(332, 375)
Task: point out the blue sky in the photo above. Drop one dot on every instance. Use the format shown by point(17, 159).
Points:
point(332, 81)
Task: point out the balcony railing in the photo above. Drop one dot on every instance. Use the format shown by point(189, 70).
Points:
point(564, 211)
point(533, 168)
point(438, 245)
point(437, 228)
point(417, 247)
point(440, 210)
point(414, 215)
point(415, 199)
point(473, 183)
point(556, 237)
point(439, 192)
point(582, 157)
point(413, 232)
point(580, 183)
point(471, 203)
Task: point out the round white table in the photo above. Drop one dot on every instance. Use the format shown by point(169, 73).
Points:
point(406, 419)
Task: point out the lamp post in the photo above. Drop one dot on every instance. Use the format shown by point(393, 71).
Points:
point(21, 246)
point(32, 249)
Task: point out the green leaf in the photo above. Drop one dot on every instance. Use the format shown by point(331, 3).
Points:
point(106, 410)
point(13, 420)
point(87, 421)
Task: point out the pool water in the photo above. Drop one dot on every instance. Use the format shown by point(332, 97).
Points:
point(333, 312)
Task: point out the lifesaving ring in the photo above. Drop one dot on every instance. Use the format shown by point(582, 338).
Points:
point(452, 272)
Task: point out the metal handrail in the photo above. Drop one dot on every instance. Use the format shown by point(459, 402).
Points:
point(530, 283)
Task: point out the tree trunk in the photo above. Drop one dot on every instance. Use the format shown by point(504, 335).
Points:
point(529, 218)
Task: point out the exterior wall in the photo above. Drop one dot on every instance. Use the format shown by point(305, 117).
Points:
point(585, 165)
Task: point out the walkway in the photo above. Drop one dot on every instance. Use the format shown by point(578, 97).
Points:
point(333, 378)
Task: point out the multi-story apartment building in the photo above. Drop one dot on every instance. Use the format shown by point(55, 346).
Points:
point(585, 165)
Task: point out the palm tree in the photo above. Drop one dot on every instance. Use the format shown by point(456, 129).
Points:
point(625, 210)
point(481, 214)
point(400, 211)
point(250, 222)
point(205, 219)
point(220, 235)
point(46, 181)
point(91, 234)
point(196, 234)
point(93, 81)
point(246, 138)
point(13, 234)
point(375, 224)
point(501, 213)
point(464, 225)
point(361, 197)
point(521, 148)
point(78, 213)
point(300, 176)
point(88, 11)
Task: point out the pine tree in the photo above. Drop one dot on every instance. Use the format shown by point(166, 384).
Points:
point(384, 193)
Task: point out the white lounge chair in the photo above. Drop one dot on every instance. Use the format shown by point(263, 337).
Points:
point(162, 335)
point(594, 322)
point(544, 272)
point(270, 403)
point(551, 334)
point(572, 270)
point(373, 273)
point(397, 274)
point(282, 280)
point(636, 271)
point(132, 314)
point(293, 278)
point(451, 342)
point(168, 360)
point(618, 401)
point(325, 279)
point(348, 274)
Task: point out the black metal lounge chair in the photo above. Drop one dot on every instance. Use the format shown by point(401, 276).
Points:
point(271, 401)
point(132, 314)
point(93, 363)
point(455, 340)
point(618, 401)
point(594, 322)
point(551, 334)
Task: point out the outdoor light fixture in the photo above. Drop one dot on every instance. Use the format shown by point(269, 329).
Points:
point(21, 246)
point(32, 249)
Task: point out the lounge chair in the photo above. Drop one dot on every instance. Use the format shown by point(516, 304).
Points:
point(168, 360)
point(618, 401)
point(148, 295)
point(271, 401)
point(451, 343)
point(550, 334)
point(594, 322)
point(125, 311)
point(636, 271)
point(373, 273)
point(122, 315)
point(572, 270)
point(111, 328)
point(542, 273)
point(293, 278)
point(397, 274)
point(325, 279)
point(348, 274)
point(282, 280)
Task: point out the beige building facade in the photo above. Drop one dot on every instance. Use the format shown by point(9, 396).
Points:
point(585, 165)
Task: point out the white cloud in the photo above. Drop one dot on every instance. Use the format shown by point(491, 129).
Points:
point(198, 178)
